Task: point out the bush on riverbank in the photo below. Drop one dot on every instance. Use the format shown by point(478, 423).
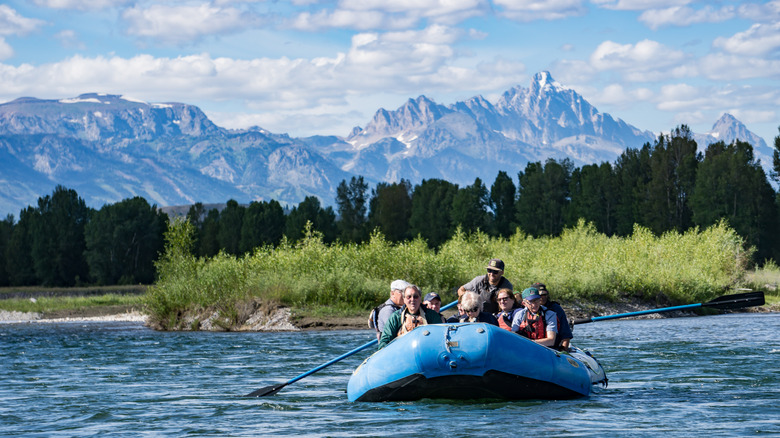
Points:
point(579, 264)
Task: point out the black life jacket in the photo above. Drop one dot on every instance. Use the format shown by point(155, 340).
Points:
point(373, 317)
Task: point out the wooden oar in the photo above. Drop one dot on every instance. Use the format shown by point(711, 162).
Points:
point(736, 301)
point(273, 389)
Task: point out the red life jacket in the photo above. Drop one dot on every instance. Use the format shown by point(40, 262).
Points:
point(533, 328)
point(505, 320)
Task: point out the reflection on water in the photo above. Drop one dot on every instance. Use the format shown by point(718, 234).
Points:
point(717, 375)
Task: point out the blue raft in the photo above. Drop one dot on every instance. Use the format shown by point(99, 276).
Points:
point(472, 361)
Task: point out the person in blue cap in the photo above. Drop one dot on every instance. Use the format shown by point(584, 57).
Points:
point(564, 330)
point(536, 322)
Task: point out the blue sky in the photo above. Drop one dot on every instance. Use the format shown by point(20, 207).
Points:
point(308, 67)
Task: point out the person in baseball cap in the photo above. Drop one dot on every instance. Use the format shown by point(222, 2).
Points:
point(487, 286)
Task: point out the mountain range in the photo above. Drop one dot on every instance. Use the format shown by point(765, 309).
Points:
point(109, 148)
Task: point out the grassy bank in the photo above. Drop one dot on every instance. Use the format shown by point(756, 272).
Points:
point(348, 279)
point(71, 304)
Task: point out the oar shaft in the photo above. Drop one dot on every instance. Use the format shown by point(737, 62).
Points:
point(327, 364)
point(646, 312)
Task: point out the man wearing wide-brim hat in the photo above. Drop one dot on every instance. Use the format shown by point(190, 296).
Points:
point(487, 286)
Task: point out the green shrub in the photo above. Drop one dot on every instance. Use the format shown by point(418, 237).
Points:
point(580, 263)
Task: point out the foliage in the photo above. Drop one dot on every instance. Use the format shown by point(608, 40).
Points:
point(502, 203)
point(579, 263)
point(57, 238)
point(391, 209)
point(123, 240)
point(432, 211)
point(352, 203)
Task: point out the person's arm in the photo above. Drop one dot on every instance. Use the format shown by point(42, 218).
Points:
point(470, 286)
point(551, 329)
point(390, 331)
point(548, 341)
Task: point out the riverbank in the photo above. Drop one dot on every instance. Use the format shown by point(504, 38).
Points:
point(283, 319)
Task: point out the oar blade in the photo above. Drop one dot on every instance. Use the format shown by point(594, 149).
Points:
point(266, 391)
point(737, 301)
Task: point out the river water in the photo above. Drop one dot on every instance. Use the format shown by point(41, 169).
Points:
point(697, 376)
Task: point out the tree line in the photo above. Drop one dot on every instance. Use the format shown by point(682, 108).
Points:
point(664, 186)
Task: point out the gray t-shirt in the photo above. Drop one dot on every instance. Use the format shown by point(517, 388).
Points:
point(487, 291)
point(384, 314)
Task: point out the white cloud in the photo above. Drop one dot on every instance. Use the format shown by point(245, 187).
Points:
point(83, 5)
point(646, 60)
point(685, 16)
point(686, 98)
point(11, 23)
point(616, 94)
point(185, 23)
point(721, 66)
point(6, 51)
point(360, 20)
point(759, 40)
point(69, 39)
point(639, 5)
point(530, 10)
point(768, 12)
point(401, 14)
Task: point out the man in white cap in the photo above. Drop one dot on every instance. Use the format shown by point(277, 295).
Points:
point(382, 313)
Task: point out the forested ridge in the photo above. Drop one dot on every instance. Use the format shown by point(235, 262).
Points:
point(665, 186)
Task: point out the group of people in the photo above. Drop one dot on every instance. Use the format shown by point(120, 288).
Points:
point(488, 298)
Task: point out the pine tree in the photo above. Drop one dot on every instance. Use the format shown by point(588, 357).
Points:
point(390, 209)
point(502, 203)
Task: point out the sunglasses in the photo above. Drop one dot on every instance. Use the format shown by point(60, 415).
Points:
point(504, 299)
point(410, 297)
point(472, 310)
point(491, 271)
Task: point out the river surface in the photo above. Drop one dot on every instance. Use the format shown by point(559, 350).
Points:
point(697, 376)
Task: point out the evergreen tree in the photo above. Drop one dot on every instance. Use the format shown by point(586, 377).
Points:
point(309, 210)
point(594, 197)
point(352, 205)
point(502, 203)
point(196, 215)
point(731, 184)
point(263, 224)
point(208, 237)
point(230, 223)
point(775, 174)
point(432, 211)
point(19, 262)
point(469, 207)
point(123, 240)
point(58, 238)
point(391, 209)
point(673, 165)
point(632, 179)
point(543, 197)
point(6, 228)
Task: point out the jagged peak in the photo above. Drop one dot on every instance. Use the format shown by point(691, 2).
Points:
point(543, 81)
point(726, 119)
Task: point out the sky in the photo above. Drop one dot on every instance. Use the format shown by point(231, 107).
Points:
point(306, 67)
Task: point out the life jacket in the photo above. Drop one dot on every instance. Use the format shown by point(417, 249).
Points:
point(410, 322)
point(505, 320)
point(534, 328)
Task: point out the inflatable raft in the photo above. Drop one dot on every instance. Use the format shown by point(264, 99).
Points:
point(472, 361)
